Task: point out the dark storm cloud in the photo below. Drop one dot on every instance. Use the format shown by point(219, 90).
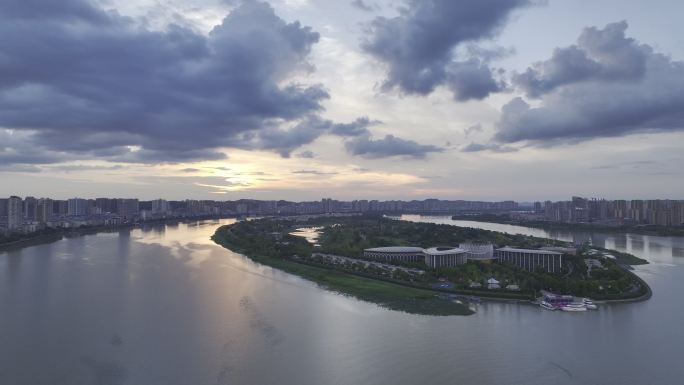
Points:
point(607, 85)
point(41, 9)
point(388, 146)
point(418, 45)
point(605, 55)
point(16, 149)
point(285, 140)
point(85, 80)
point(355, 128)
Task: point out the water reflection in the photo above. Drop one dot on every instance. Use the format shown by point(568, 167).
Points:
point(311, 234)
point(169, 307)
point(636, 244)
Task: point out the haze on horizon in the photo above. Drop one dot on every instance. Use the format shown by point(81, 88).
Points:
point(363, 99)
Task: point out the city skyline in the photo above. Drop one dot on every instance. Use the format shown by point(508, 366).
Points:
point(30, 214)
point(191, 99)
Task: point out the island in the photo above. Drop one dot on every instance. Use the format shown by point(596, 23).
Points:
point(432, 269)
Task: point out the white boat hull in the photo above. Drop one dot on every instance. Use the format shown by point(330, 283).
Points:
point(571, 308)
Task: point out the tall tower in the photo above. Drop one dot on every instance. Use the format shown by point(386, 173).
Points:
point(15, 214)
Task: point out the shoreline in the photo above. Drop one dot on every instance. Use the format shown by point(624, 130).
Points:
point(61, 233)
point(285, 263)
point(482, 296)
point(383, 293)
point(558, 226)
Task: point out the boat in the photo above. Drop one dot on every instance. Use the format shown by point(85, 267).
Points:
point(589, 304)
point(547, 306)
point(574, 307)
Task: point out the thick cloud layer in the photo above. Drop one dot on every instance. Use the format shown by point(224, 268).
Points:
point(79, 82)
point(599, 55)
point(606, 85)
point(418, 45)
point(84, 80)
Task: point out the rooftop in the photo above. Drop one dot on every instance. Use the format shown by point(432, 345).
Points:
point(444, 250)
point(396, 249)
point(528, 251)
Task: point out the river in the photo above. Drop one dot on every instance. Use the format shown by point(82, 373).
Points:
point(164, 305)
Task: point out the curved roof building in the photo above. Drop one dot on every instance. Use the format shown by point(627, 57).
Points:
point(478, 251)
point(395, 254)
point(437, 257)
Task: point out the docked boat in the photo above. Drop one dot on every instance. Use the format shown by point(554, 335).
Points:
point(589, 304)
point(574, 307)
point(547, 306)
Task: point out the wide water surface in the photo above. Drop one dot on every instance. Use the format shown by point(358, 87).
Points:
point(164, 305)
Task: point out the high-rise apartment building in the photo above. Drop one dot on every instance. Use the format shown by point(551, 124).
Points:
point(77, 207)
point(29, 208)
point(160, 206)
point(3, 207)
point(15, 215)
point(128, 208)
point(44, 210)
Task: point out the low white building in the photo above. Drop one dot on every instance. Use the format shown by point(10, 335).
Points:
point(493, 284)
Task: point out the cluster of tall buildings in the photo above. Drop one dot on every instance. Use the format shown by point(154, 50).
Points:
point(661, 212)
point(434, 206)
point(29, 214)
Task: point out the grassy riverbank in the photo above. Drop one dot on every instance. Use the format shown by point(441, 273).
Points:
point(386, 294)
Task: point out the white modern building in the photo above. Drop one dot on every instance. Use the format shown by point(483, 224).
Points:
point(395, 254)
point(437, 257)
point(530, 260)
point(478, 251)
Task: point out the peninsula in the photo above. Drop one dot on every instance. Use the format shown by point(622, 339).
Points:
point(343, 257)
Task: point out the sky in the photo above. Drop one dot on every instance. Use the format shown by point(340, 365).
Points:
point(349, 99)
